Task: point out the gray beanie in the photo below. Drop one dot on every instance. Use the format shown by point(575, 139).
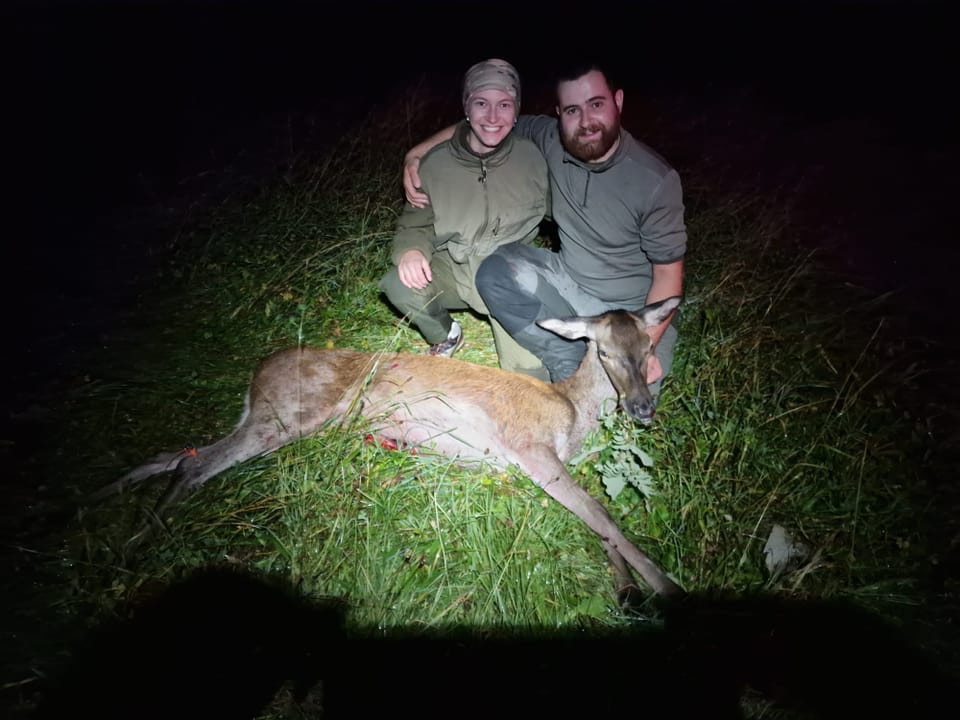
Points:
point(492, 74)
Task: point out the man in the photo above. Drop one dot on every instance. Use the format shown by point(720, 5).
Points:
point(619, 212)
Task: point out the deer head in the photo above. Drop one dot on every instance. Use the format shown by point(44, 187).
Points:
point(623, 347)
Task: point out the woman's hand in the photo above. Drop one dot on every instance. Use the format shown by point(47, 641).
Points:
point(414, 270)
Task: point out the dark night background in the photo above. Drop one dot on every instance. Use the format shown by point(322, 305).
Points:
point(126, 119)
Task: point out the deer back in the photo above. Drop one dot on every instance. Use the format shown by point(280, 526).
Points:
point(455, 407)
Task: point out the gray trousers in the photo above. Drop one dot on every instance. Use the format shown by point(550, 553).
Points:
point(521, 284)
point(452, 288)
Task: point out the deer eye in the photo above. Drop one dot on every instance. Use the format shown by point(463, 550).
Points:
point(602, 353)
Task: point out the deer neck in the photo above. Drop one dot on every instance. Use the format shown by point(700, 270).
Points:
point(590, 391)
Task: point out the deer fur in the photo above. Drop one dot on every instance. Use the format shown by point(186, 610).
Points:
point(462, 410)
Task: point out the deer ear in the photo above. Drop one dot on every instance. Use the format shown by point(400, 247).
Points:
point(570, 328)
point(656, 313)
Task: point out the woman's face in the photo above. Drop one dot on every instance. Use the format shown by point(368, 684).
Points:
point(492, 114)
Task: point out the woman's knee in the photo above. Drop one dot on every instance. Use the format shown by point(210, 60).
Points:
point(389, 281)
point(399, 295)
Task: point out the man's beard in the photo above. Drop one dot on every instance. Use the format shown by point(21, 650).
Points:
point(590, 151)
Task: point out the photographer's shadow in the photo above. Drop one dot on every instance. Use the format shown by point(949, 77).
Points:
point(222, 644)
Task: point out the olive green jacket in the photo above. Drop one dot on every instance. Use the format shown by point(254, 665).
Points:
point(477, 203)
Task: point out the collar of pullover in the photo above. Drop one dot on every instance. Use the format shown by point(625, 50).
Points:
point(463, 153)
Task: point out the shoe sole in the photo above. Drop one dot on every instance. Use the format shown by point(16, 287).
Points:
point(451, 351)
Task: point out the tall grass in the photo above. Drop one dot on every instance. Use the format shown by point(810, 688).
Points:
point(780, 409)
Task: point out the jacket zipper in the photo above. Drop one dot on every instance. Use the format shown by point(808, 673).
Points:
point(486, 201)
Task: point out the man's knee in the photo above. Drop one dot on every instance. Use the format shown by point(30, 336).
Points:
point(492, 278)
point(509, 297)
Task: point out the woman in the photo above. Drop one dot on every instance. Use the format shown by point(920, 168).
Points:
point(487, 188)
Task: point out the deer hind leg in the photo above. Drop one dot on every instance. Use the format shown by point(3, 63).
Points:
point(163, 463)
point(548, 472)
point(245, 443)
point(248, 441)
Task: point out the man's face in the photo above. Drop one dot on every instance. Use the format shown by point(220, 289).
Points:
point(589, 117)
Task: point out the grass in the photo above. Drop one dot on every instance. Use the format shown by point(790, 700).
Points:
point(785, 406)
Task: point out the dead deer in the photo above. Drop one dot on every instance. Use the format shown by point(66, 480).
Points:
point(462, 410)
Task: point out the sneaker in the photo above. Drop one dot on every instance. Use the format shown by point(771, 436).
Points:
point(449, 346)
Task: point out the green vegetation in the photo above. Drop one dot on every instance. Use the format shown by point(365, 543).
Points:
point(784, 407)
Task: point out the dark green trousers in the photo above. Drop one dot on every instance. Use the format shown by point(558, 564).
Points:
point(453, 289)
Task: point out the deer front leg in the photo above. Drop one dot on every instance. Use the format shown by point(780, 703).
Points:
point(548, 472)
point(628, 592)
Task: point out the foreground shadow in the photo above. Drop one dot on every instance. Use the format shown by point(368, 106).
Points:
point(221, 644)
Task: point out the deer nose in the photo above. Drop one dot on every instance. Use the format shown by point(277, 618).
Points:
point(642, 409)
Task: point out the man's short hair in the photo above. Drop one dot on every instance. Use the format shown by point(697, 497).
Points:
point(579, 68)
